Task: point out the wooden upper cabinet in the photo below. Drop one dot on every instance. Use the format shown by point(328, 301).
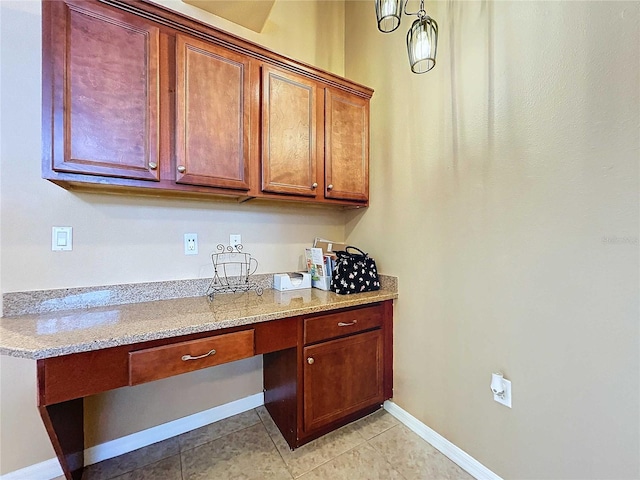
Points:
point(289, 133)
point(346, 146)
point(104, 80)
point(138, 99)
point(212, 115)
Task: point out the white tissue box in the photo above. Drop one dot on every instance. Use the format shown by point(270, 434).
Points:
point(291, 281)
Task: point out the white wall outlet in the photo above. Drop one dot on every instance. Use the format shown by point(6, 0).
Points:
point(61, 238)
point(504, 399)
point(190, 243)
point(235, 239)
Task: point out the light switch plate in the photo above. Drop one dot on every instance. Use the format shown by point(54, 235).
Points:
point(61, 239)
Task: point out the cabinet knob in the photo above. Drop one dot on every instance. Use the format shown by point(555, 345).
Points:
point(182, 168)
point(310, 360)
point(153, 165)
point(330, 186)
point(315, 185)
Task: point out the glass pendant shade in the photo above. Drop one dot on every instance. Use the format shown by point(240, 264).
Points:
point(422, 43)
point(388, 13)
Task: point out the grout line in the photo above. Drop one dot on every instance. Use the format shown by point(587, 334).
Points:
point(181, 467)
point(212, 439)
point(384, 457)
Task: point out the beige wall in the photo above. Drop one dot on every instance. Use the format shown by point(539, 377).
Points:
point(311, 31)
point(509, 178)
point(132, 239)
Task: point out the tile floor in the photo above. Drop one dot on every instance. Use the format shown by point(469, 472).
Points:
point(249, 446)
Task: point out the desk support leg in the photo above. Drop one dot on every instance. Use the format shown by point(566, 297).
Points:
point(65, 425)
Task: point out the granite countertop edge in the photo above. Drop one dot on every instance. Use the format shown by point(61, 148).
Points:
point(35, 346)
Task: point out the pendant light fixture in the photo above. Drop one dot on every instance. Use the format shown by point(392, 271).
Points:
point(422, 37)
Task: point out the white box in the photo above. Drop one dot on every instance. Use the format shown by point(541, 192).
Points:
point(291, 281)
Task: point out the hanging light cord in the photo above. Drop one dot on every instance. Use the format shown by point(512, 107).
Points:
point(420, 13)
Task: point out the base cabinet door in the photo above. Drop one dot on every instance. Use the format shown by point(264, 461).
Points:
point(103, 77)
point(212, 115)
point(341, 377)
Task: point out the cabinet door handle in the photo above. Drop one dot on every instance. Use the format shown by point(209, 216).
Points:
point(153, 165)
point(310, 360)
point(182, 168)
point(189, 357)
point(315, 185)
point(342, 324)
point(330, 186)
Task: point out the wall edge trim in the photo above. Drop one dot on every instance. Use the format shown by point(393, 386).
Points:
point(453, 452)
point(50, 469)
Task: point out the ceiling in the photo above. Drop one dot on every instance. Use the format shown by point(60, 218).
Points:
point(251, 14)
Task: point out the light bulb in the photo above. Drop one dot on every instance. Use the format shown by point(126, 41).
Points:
point(388, 8)
point(421, 45)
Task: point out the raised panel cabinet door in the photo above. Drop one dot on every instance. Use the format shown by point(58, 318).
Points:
point(212, 115)
point(289, 142)
point(346, 146)
point(104, 115)
point(341, 377)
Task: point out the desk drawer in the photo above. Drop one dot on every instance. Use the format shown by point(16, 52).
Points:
point(340, 324)
point(168, 360)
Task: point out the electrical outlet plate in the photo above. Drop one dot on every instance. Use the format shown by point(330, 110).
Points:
point(506, 398)
point(235, 239)
point(190, 243)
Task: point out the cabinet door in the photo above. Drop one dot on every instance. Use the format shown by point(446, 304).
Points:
point(341, 377)
point(346, 146)
point(289, 142)
point(212, 115)
point(105, 92)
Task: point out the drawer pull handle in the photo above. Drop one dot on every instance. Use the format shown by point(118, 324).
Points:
point(189, 357)
point(342, 324)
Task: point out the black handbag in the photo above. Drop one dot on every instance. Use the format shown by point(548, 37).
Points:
point(354, 273)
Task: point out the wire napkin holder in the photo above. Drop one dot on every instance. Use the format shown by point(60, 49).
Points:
point(232, 270)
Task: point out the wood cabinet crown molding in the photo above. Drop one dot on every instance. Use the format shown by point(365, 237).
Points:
point(175, 20)
point(139, 99)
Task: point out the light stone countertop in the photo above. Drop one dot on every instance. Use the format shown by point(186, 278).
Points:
point(58, 333)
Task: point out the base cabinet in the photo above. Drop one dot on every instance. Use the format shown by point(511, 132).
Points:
point(341, 377)
point(342, 372)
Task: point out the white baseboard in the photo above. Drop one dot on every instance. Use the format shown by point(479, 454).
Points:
point(141, 439)
point(50, 469)
point(455, 454)
point(40, 471)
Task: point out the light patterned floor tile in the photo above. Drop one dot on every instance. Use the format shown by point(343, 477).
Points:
point(375, 424)
point(361, 463)
point(414, 458)
point(132, 460)
point(165, 469)
point(268, 422)
point(248, 454)
point(218, 429)
point(315, 453)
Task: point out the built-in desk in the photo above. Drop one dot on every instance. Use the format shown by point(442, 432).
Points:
point(313, 343)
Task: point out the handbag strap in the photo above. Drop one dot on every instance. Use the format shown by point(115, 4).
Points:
point(355, 248)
